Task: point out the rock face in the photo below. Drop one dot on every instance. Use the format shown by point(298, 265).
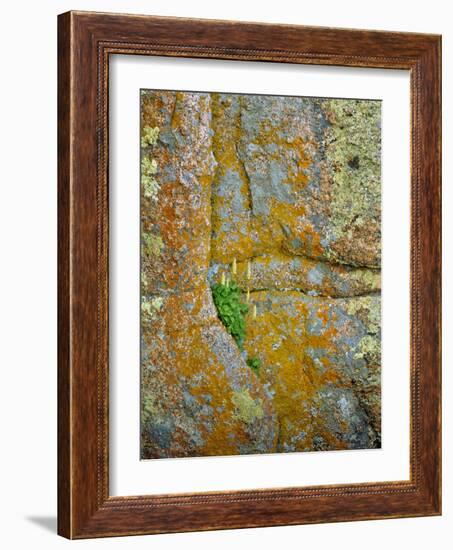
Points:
point(320, 356)
point(297, 175)
point(288, 190)
point(198, 395)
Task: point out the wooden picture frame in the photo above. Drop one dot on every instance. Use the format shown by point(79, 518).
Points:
point(85, 42)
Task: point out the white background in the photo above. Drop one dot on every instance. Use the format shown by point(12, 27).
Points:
point(128, 475)
point(28, 275)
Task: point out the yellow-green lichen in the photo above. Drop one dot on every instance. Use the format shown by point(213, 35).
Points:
point(150, 136)
point(149, 408)
point(152, 245)
point(353, 306)
point(247, 409)
point(371, 308)
point(370, 279)
point(151, 306)
point(149, 183)
point(149, 166)
point(369, 348)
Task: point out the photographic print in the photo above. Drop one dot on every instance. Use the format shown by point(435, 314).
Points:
point(260, 274)
point(219, 274)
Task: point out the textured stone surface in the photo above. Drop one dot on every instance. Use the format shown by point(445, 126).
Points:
point(289, 190)
point(200, 398)
point(198, 395)
point(281, 271)
point(298, 175)
point(321, 358)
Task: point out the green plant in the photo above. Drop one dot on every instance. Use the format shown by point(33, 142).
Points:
point(231, 310)
point(255, 364)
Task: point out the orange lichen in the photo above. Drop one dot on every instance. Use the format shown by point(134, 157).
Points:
point(195, 365)
point(155, 106)
point(291, 370)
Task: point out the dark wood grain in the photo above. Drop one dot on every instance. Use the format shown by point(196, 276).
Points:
point(64, 367)
point(85, 42)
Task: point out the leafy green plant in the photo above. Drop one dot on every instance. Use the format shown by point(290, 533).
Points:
point(231, 310)
point(255, 364)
